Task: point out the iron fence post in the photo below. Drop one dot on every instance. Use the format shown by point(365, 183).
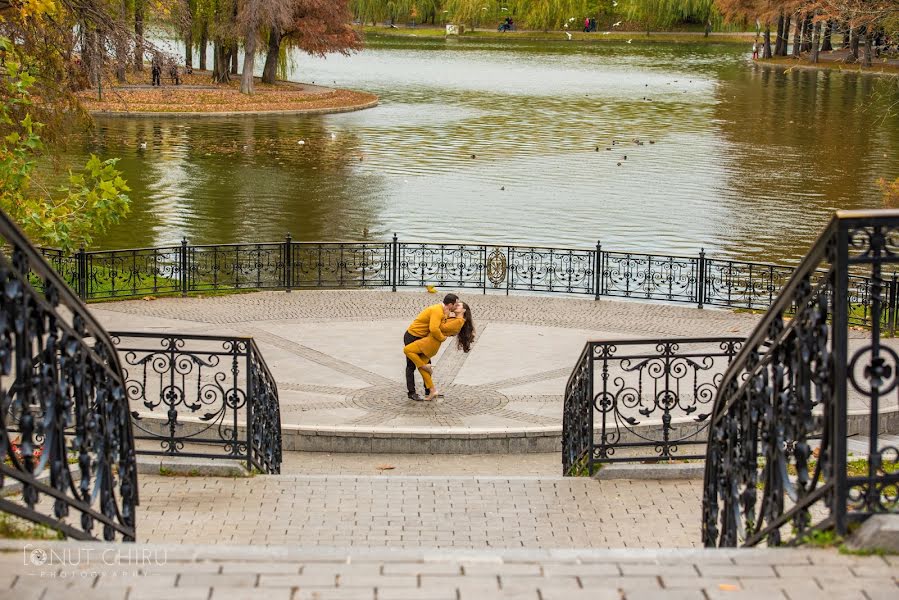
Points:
point(597, 268)
point(251, 398)
point(700, 289)
point(590, 410)
point(394, 269)
point(891, 310)
point(838, 410)
point(288, 262)
point(82, 273)
point(184, 276)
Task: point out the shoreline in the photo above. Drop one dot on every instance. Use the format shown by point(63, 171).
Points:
point(827, 62)
point(198, 97)
point(597, 37)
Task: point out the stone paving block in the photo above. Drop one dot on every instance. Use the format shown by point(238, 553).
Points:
point(229, 593)
point(429, 568)
point(665, 595)
point(276, 568)
point(322, 580)
point(595, 569)
point(881, 593)
point(188, 579)
point(416, 594)
point(739, 571)
point(504, 570)
point(592, 594)
point(334, 594)
point(744, 595)
point(625, 583)
point(178, 593)
point(525, 583)
point(379, 581)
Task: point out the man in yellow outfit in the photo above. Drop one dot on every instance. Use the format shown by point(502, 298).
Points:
point(426, 323)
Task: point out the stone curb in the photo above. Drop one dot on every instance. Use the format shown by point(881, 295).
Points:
point(878, 533)
point(189, 466)
point(301, 111)
point(657, 471)
point(256, 553)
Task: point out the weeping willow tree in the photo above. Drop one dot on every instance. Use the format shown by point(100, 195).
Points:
point(661, 14)
point(538, 14)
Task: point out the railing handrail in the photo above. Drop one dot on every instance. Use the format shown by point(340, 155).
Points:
point(39, 264)
point(784, 300)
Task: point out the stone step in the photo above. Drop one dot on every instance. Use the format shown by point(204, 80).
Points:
point(136, 571)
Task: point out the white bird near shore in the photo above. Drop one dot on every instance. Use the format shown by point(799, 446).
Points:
point(614, 3)
point(629, 41)
point(569, 36)
point(616, 24)
point(606, 32)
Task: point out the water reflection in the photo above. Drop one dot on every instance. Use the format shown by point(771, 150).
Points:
point(746, 161)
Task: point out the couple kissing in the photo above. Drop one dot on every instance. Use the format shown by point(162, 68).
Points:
point(427, 332)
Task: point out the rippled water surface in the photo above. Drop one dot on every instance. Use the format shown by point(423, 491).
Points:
point(746, 161)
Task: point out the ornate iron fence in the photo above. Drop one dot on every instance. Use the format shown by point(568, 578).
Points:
point(65, 431)
point(633, 400)
point(699, 280)
point(789, 384)
point(202, 396)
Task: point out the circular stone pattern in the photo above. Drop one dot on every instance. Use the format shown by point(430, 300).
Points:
point(459, 400)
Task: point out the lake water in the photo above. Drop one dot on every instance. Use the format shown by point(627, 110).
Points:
point(747, 161)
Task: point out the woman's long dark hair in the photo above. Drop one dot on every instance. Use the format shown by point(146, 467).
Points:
point(466, 334)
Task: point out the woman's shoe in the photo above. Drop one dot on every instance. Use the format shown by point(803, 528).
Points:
point(432, 395)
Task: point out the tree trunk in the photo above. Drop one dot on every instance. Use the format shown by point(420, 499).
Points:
point(766, 46)
point(233, 55)
point(778, 40)
point(189, 41)
point(204, 41)
point(786, 35)
point(807, 33)
point(816, 27)
point(708, 27)
point(867, 57)
point(220, 62)
point(797, 37)
point(139, 35)
point(270, 71)
point(121, 43)
point(847, 35)
point(853, 46)
point(249, 63)
point(827, 44)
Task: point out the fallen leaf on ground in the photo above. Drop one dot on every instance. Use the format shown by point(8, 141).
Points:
point(148, 298)
point(385, 467)
point(728, 587)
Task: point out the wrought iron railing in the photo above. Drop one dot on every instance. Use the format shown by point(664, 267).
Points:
point(202, 396)
point(789, 385)
point(699, 280)
point(638, 400)
point(65, 430)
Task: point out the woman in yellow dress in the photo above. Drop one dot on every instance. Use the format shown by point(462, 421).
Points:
point(458, 323)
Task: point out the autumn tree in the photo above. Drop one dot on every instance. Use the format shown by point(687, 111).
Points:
point(317, 27)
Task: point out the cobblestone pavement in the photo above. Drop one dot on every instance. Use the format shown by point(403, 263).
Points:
point(337, 358)
point(163, 572)
point(445, 511)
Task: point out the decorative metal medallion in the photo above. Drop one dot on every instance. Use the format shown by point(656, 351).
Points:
point(496, 267)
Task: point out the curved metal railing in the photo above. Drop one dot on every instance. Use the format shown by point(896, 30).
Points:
point(65, 429)
point(205, 396)
point(786, 392)
point(700, 280)
point(642, 399)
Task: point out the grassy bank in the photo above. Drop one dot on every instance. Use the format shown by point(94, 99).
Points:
point(884, 67)
point(402, 31)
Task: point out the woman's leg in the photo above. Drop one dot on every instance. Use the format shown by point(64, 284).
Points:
point(426, 376)
point(412, 353)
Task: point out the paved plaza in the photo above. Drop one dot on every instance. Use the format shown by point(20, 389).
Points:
point(337, 355)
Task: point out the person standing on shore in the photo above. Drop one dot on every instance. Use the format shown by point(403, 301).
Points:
point(755, 51)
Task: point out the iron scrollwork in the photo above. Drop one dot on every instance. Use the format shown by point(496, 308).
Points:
point(202, 396)
point(787, 391)
point(65, 433)
point(643, 399)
